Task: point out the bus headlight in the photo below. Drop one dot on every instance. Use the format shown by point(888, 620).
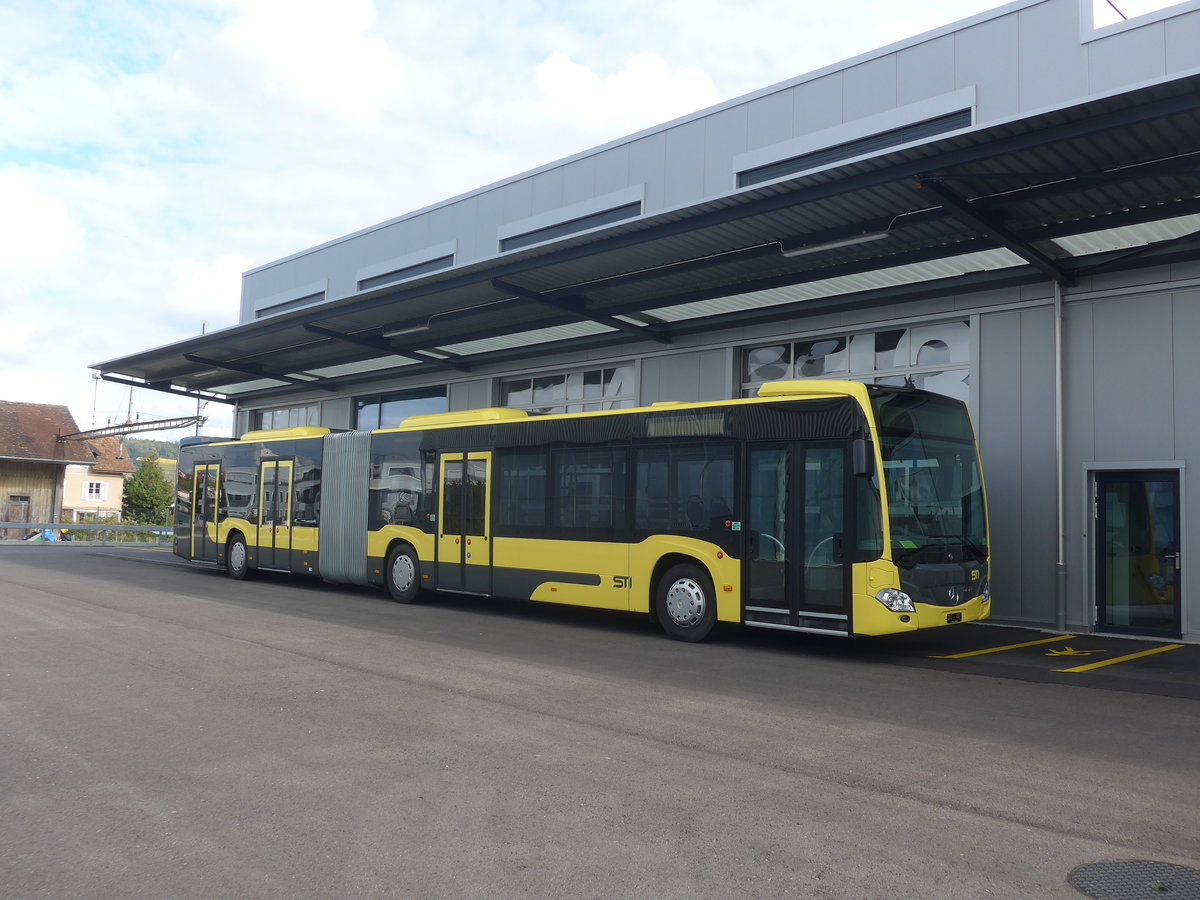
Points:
point(986, 594)
point(896, 601)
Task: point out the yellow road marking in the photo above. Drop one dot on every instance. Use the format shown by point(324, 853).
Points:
point(1071, 651)
point(1065, 637)
point(1112, 662)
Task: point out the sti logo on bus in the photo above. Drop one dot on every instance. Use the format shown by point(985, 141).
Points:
point(622, 581)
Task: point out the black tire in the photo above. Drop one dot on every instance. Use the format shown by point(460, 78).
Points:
point(403, 574)
point(685, 603)
point(237, 558)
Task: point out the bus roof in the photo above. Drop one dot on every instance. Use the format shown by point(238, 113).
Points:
point(771, 391)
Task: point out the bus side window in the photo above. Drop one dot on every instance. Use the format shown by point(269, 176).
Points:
point(589, 488)
point(520, 489)
point(698, 485)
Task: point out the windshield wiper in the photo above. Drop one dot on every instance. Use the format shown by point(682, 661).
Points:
point(977, 550)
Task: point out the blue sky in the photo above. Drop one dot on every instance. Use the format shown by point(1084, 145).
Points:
point(151, 152)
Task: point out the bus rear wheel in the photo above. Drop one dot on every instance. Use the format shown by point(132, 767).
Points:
point(403, 574)
point(237, 558)
point(685, 603)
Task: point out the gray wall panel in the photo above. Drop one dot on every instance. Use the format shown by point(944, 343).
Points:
point(1132, 371)
point(1053, 65)
point(770, 119)
point(1186, 322)
point(818, 104)
point(337, 413)
point(685, 377)
point(470, 395)
point(986, 56)
point(579, 181)
point(1079, 403)
point(648, 165)
point(1185, 330)
point(869, 88)
point(1183, 43)
point(999, 422)
point(612, 170)
point(547, 191)
point(1016, 430)
point(684, 179)
point(724, 137)
point(925, 70)
point(1127, 58)
point(1039, 481)
point(1079, 393)
point(518, 201)
point(488, 211)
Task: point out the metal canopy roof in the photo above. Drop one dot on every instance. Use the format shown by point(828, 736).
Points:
point(1020, 196)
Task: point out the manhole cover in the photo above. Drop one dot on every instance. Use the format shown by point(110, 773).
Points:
point(1136, 879)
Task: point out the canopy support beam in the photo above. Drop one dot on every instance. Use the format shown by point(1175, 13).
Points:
point(576, 306)
point(257, 371)
point(385, 346)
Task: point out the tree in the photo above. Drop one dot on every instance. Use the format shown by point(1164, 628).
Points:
point(148, 494)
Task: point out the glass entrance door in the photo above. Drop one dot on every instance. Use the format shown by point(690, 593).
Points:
point(464, 552)
point(797, 517)
point(207, 481)
point(1137, 550)
point(275, 525)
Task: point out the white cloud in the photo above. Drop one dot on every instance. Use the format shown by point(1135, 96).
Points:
point(17, 337)
point(210, 291)
point(644, 93)
point(319, 48)
point(571, 107)
point(36, 228)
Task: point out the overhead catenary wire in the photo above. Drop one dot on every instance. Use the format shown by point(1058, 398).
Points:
point(1117, 11)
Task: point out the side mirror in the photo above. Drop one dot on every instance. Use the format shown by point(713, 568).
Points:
point(862, 458)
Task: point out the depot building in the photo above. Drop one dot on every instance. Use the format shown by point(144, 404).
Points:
point(1005, 210)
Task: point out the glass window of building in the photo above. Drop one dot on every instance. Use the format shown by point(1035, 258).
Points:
point(583, 390)
point(935, 357)
point(288, 417)
point(389, 410)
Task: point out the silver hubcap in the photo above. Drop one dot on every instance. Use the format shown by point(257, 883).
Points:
point(237, 556)
point(685, 602)
point(403, 572)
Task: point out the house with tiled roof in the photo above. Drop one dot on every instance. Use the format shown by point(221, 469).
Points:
point(33, 461)
point(93, 490)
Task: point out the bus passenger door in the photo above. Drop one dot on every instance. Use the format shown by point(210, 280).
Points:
point(464, 523)
point(206, 478)
point(797, 517)
point(275, 519)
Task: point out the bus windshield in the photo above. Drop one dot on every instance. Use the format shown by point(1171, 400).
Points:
point(932, 478)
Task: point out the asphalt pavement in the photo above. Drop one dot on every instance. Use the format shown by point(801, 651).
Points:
point(168, 732)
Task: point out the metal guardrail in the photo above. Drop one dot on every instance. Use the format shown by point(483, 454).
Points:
point(93, 534)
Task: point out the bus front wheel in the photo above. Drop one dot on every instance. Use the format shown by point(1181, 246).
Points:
point(403, 574)
point(237, 558)
point(686, 603)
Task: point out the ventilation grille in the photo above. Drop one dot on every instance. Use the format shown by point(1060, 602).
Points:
point(860, 147)
point(550, 232)
point(433, 265)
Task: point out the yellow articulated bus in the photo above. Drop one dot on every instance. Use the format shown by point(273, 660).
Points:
point(818, 506)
